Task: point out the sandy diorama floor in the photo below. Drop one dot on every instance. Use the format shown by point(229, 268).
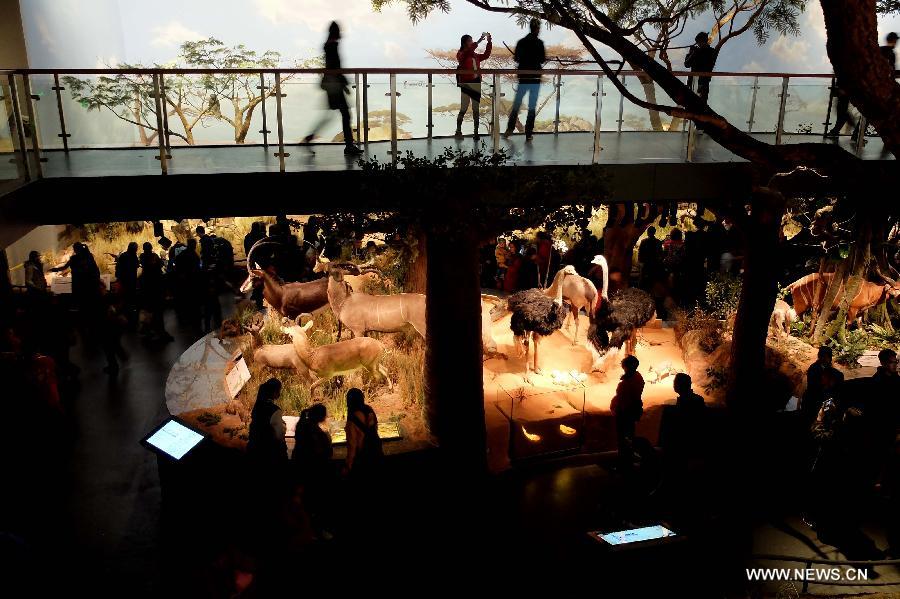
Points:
point(567, 406)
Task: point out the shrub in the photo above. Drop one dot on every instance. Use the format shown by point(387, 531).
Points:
point(848, 350)
point(723, 291)
point(717, 376)
point(882, 337)
point(699, 320)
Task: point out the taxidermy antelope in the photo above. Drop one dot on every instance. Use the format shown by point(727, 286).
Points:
point(361, 312)
point(281, 355)
point(288, 299)
point(578, 291)
point(782, 318)
point(809, 292)
point(343, 357)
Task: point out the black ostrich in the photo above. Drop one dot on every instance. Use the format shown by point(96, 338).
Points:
point(534, 315)
point(615, 323)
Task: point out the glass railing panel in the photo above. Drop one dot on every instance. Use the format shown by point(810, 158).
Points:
point(577, 104)
point(807, 106)
point(9, 169)
point(768, 100)
point(732, 97)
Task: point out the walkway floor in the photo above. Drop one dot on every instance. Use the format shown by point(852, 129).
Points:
point(546, 149)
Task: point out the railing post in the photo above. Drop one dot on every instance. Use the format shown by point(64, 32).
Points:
point(621, 118)
point(430, 125)
point(20, 126)
point(827, 122)
point(365, 109)
point(779, 131)
point(32, 122)
point(495, 114)
point(279, 118)
point(356, 100)
point(165, 113)
point(598, 107)
point(160, 135)
point(262, 103)
point(753, 104)
point(62, 117)
point(861, 135)
point(393, 94)
point(558, 85)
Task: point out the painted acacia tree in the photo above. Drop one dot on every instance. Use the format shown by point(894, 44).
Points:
point(191, 100)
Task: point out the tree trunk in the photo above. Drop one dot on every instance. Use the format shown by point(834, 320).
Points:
point(650, 95)
point(454, 393)
point(758, 291)
point(417, 275)
point(622, 231)
point(852, 45)
point(858, 267)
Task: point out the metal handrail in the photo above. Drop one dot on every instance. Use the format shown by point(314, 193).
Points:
point(397, 71)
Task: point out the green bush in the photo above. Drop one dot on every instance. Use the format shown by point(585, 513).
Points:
point(723, 292)
point(851, 348)
point(883, 337)
point(699, 319)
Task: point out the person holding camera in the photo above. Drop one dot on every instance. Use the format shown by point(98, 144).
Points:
point(469, 59)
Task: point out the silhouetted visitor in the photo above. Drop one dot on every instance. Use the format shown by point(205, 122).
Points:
point(814, 395)
point(673, 250)
point(364, 451)
point(85, 278)
point(882, 410)
point(514, 261)
point(842, 113)
point(627, 407)
point(701, 58)
point(682, 429)
point(188, 283)
point(529, 271)
point(529, 56)
point(126, 278)
point(35, 281)
point(543, 256)
point(266, 446)
point(470, 83)
point(501, 255)
point(257, 232)
point(207, 252)
point(336, 88)
point(152, 293)
point(650, 257)
point(312, 464)
point(888, 50)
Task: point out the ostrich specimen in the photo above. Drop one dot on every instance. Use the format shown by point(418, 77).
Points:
point(534, 315)
point(578, 291)
point(288, 299)
point(615, 323)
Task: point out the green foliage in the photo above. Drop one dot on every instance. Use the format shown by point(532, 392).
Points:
point(723, 292)
point(850, 348)
point(717, 377)
point(270, 333)
point(884, 337)
point(209, 419)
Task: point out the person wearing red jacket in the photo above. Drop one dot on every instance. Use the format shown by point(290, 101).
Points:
point(469, 59)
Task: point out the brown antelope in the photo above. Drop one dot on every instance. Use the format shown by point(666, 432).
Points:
point(282, 355)
point(809, 292)
point(361, 312)
point(343, 357)
point(578, 291)
point(288, 299)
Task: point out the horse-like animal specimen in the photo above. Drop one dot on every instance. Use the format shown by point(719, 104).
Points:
point(288, 299)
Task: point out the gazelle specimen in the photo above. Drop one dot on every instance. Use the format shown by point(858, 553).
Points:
point(288, 299)
point(282, 355)
point(361, 312)
point(343, 357)
point(577, 290)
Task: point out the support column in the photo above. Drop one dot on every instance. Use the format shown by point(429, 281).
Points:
point(454, 393)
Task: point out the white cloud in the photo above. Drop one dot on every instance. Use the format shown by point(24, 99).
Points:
point(173, 34)
point(350, 14)
point(753, 67)
point(814, 21)
point(394, 51)
point(790, 49)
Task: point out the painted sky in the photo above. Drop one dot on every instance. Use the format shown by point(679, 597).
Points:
point(90, 33)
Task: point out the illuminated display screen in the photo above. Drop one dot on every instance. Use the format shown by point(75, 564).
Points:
point(174, 439)
point(635, 535)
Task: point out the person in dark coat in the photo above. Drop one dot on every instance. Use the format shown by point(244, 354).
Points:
point(529, 56)
point(188, 283)
point(842, 113)
point(266, 446)
point(35, 281)
point(126, 277)
point(312, 461)
point(152, 293)
point(627, 407)
point(701, 58)
point(364, 451)
point(335, 86)
point(888, 50)
point(814, 395)
point(257, 232)
point(650, 254)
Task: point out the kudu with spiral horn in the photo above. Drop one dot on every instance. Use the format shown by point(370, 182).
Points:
point(288, 299)
point(362, 312)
